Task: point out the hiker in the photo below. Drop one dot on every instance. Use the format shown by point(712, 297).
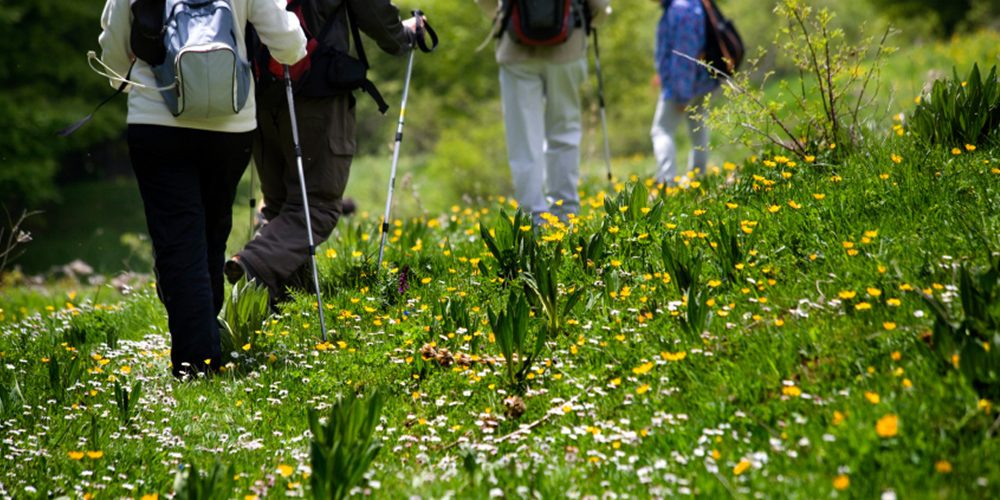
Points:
point(540, 94)
point(278, 256)
point(187, 169)
point(683, 83)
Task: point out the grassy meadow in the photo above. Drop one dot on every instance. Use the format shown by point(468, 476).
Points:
point(779, 326)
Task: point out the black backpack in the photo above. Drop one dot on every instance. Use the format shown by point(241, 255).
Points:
point(724, 49)
point(326, 71)
point(541, 23)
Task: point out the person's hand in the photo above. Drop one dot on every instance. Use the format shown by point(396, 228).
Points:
point(414, 26)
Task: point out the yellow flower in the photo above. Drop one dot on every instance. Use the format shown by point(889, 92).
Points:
point(887, 426)
point(819, 196)
point(896, 355)
point(94, 455)
point(896, 158)
point(673, 356)
point(810, 158)
point(838, 418)
point(872, 397)
point(75, 455)
point(285, 470)
point(985, 405)
point(846, 294)
point(862, 306)
point(889, 325)
point(970, 147)
point(643, 368)
point(150, 496)
point(956, 151)
point(741, 467)
point(841, 482)
point(791, 390)
point(643, 389)
point(125, 369)
point(774, 209)
point(943, 467)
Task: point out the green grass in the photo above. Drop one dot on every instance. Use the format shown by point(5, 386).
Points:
point(815, 341)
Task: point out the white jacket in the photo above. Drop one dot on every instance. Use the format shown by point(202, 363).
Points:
point(278, 29)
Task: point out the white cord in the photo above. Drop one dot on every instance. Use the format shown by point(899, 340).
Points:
point(111, 74)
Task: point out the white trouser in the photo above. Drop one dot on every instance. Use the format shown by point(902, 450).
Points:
point(665, 147)
point(541, 110)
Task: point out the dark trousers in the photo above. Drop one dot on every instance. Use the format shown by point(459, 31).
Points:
point(280, 252)
point(188, 181)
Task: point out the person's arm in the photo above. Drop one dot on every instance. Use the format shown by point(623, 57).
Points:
point(114, 38)
point(379, 19)
point(688, 33)
point(278, 29)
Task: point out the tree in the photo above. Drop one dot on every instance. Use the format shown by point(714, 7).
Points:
point(48, 85)
point(949, 14)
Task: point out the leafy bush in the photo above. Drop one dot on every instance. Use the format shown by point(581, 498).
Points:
point(972, 336)
point(216, 485)
point(344, 446)
point(957, 112)
point(817, 109)
point(243, 315)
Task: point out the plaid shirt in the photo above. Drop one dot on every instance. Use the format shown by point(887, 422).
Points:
point(682, 29)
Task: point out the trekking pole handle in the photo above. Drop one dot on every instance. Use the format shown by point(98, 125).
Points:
point(427, 30)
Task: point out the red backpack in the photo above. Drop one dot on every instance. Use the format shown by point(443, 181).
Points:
point(541, 23)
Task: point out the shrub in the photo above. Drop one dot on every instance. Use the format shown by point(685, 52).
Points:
point(957, 112)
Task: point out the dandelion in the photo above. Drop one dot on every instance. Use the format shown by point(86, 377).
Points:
point(673, 356)
point(741, 467)
point(862, 306)
point(819, 196)
point(943, 467)
point(285, 470)
point(872, 397)
point(846, 294)
point(838, 418)
point(896, 158)
point(643, 389)
point(774, 208)
point(643, 368)
point(150, 496)
point(956, 151)
point(970, 147)
point(985, 406)
point(887, 426)
point(95, 455)
point(75, 455)
point(791, 391)
point(841, 482)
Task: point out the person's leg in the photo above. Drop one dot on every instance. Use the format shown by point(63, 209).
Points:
point(522, 95)
point(698, 159)
point(164, 161)
point(665, 123)
point(326, 134)
point(562, 135)
point(221, 168)
point(269, 152)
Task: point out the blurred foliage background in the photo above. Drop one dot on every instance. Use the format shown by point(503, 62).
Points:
point(454, 141)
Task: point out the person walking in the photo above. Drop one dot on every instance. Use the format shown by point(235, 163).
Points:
point(187, 169)
point(682, 83)
point(540, 97)
point(278, 256)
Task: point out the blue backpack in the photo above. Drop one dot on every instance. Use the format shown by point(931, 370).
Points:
point(202, 66)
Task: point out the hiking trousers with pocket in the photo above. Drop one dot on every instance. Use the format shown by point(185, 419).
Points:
point(188, 179)
point(665, 123)
point(279, 253)
point(541, 112)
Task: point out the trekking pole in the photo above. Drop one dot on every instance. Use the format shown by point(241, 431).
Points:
point(399, 127)
point(600, 100)
point(253, 199)
point(305, 196)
